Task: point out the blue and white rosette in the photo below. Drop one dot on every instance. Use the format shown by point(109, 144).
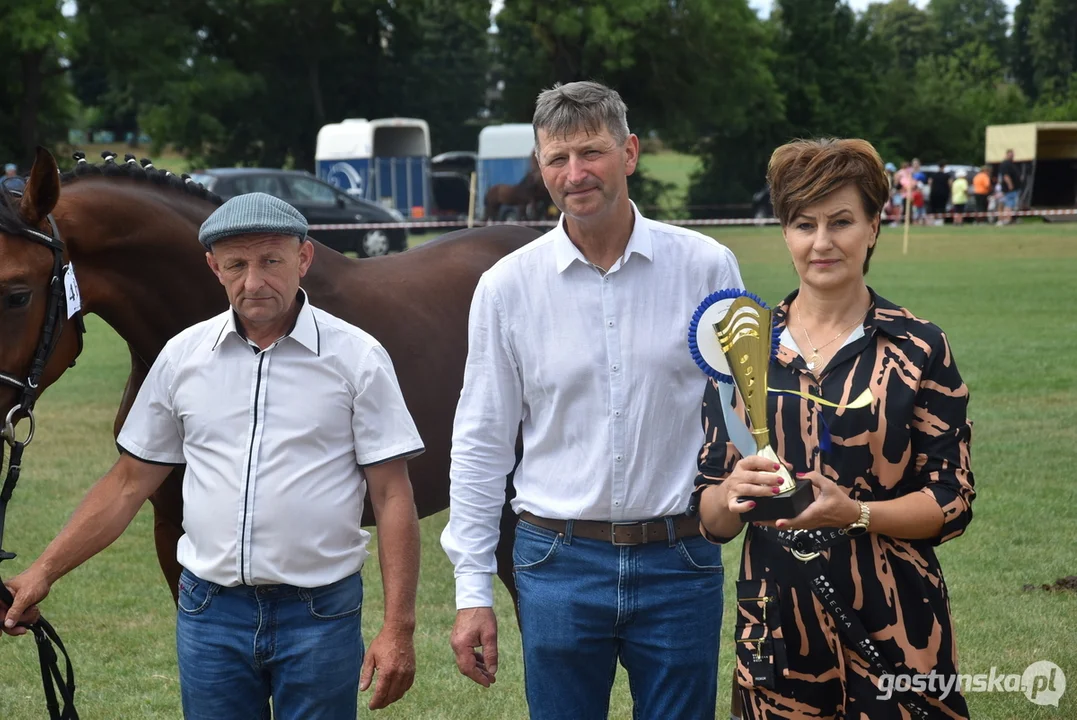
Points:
point(707, 353)
point(705, 348)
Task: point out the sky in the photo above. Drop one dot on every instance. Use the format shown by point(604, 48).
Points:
point(763, 6)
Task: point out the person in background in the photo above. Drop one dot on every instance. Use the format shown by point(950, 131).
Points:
point(939, 195)
point(981, 193)
point(919, 217)
point(959, 195)
point(11, 180)
point(1010, 179)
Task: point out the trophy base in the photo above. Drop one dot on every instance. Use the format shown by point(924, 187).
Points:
point(788, 504)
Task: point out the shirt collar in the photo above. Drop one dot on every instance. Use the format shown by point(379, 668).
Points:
point(884, 316)
point(305, 330)
point(639, 242)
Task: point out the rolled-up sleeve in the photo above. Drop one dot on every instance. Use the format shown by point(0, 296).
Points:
point(485, 428)
point(718, 455)
point(941, 438)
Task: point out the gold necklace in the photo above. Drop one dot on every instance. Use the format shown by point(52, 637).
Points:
point(813, 361)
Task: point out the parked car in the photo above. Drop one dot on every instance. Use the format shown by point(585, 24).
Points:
point(320, 203)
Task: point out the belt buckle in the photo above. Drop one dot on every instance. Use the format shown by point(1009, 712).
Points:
point(613, 533)
point(801, 556)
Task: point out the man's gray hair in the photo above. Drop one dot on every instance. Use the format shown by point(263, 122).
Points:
point(566, 109)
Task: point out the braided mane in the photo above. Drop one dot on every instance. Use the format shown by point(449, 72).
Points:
point(143, 170)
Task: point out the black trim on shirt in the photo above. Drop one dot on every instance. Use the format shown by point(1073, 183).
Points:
point(420, 449)
point(125, 451)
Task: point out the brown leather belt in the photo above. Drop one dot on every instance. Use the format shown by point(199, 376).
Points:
point(621, 533)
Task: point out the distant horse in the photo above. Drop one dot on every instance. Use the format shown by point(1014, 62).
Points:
point(526, 200)
point(131, 234)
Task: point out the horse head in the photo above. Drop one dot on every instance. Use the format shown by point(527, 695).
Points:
point(37, 339)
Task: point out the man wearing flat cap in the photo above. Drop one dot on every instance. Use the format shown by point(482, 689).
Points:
point(11, 180)
point(284, 416)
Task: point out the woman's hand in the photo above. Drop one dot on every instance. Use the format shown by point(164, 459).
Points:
point(832, 507)
point(720, 506)
point(752, 477)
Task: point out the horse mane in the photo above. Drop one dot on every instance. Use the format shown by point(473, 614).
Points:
point(11, 221)
point(137, 170)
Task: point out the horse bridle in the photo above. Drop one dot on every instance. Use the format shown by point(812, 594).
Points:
point(54, 682)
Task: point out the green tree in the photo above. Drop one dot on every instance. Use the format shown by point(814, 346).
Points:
point(36, 38)
point(252, 81)
point(1020, 47)
point(693, 72)
point(960, 22)
point(439, 55)
point(956, 96)
point(901, 32)
point(1052, 38)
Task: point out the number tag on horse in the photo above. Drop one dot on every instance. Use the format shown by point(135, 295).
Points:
point(71, 291)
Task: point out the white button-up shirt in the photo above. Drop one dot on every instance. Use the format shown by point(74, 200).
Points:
point(597, 369)
point(274, 442)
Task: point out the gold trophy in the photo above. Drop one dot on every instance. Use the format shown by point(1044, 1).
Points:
point(738, 352)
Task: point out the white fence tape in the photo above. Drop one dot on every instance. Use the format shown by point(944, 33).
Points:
point(685, 222)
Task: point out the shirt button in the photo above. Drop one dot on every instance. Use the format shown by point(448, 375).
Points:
point(605, 278)
point(615, 367)
point(616, 502)
point(617, 413)
point(609, 323)
point(618, 458)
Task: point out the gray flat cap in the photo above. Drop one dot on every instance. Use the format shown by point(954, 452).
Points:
point(252, 213)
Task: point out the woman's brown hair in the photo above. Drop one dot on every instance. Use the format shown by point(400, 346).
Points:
point(803, 172)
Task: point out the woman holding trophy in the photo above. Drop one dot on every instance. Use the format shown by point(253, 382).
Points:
point(863, 401)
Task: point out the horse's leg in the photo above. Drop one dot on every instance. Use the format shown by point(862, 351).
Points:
point(503, 553)
point(167, 501)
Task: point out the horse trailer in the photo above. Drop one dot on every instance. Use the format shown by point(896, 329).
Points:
point(1046, 157)
point(386, 161)
point(504, 158)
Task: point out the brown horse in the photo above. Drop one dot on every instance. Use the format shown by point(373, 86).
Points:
point(131, 233)
point(528, 199)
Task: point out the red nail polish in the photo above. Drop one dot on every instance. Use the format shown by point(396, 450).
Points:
point(800, 475)
point(751, 505)
point(777, 466)
point(776, 490)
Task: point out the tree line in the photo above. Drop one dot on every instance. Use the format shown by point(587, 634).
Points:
point(250, 81)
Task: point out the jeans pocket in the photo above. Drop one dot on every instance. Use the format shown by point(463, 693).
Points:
point(534, 546)
point(341, 599)
point(195, 594)
point(700, 555)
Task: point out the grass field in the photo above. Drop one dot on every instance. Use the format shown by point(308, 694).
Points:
point(673, 168)
point(1004, 296)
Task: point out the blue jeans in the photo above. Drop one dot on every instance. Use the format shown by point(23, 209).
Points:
point(239, 646)
point(585, 604)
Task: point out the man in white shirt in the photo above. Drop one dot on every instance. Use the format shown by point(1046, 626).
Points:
point(581, 336)
point(283, 415)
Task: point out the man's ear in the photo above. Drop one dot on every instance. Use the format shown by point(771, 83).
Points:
point(306, 256)
point(211, 260)
point(42, 191)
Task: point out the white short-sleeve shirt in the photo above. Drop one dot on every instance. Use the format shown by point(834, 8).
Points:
point(274, 442)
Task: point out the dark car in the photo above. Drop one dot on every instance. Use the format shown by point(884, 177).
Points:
point(320, 203)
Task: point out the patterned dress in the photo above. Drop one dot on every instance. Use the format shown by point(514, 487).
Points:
point(913, 438)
